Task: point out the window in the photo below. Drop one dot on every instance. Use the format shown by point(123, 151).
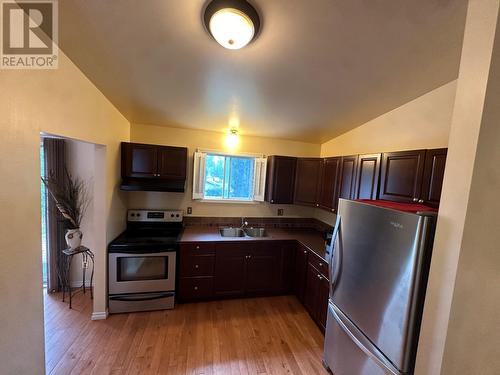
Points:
point(225, 177)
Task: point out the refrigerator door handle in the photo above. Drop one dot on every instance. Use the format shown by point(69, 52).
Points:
point(336, 256)
point(360, 340)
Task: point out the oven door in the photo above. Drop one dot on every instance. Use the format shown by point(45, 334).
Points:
point(141, 273)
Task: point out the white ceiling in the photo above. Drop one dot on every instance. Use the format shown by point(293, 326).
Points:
point(318, 68)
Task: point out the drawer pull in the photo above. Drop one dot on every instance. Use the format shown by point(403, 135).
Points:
point(321, 264)
point(196, 266)
point(320, 277)
point(195, 288)
point(305, 251)
point(197, 247)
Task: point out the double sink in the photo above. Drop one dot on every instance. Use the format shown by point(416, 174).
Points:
point(240, 232)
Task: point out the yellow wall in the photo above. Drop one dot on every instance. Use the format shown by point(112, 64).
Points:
point(194, 139)
point(62, 102)
point(421, 123)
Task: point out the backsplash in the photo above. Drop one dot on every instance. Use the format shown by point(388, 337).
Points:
point(267, 222)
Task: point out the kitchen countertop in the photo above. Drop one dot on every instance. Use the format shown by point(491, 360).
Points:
point(310, 238)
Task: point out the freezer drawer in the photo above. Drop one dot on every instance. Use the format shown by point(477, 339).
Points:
point(348, 352)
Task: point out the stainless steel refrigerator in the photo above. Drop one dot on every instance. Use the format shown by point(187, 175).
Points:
point(378, 274)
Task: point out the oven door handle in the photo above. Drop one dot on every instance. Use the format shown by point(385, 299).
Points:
point(142, 297)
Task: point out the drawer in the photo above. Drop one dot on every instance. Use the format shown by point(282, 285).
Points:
point(196, 288)
point(320, 264)
point(197, 265)
point(198, 248)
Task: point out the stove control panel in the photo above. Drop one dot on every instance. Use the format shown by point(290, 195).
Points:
point(167, 216)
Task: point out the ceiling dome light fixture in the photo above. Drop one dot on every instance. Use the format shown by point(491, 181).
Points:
point(232, 23)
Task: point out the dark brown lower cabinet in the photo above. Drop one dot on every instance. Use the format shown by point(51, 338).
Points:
point(316, 295)
point(237, 269)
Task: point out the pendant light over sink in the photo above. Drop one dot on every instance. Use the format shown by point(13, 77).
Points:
point(232, 23)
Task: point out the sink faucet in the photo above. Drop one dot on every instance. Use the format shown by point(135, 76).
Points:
point(244, 223)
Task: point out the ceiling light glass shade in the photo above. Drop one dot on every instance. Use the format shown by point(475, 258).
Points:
point(231, 28)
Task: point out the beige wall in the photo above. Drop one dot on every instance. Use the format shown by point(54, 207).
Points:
point(62, 102)
point(194, 139)
point(468, 220)
point(421, 123)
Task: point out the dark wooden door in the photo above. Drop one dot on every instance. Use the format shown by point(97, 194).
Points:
point(230, 269)
point(435, 162)
point(367, 176)
point(139, 160)
point(401, 175)
point(288, 254)
point(300, 272)
point(312, 290)
point(307, 180)
point(172, 162)
point(329, 184)
point(322, 303)
point(348, 176)
point(263, 271)
point(280, 179)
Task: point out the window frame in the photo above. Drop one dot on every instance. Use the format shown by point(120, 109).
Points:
point(199, 177)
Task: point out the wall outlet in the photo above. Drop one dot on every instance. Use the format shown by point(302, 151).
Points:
point(189, 210)
point(280, 212)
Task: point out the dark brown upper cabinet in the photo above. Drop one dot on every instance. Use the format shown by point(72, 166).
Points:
point(280, 179)
point(329, 187)
point(347, 182)
point(308, 181)
point(401, 176)
point(435, 162)
point(153, 167)
point(367, 176)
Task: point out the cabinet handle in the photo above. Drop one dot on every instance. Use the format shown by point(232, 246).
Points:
point(196, 266)
point(320, 277)
point(321, 264)
point(420, 201)
point(195, 288)
point(415, 199)
point(272, 200)
point(197, 248)
point(305, 251)
point(249, 256)
point(317, 205)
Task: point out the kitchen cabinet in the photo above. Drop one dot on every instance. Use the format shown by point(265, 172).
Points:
point(413, 176)
point(435, 162)
point(316, 295)
point(367, 176)
point(263, 268)
point(329, 187)
point(196, 271)
point(401, 176)
point(300, 272)
point(280, 179)
point(153, 167)
point(347, 183)
point(230, 269)
point(308, 181)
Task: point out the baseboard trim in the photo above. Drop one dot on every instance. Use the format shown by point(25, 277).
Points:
point(99, 315)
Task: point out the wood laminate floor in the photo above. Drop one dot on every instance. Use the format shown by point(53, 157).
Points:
point(272, 335)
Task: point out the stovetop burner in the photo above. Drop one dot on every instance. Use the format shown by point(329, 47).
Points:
point(149, 231)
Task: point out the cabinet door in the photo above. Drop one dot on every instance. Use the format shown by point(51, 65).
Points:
point(322, 303)
point(329, 184)
point(348, 176)
point(307, 180)
point(435, 162)
point(401, 175)
point(280, 179)
point(367, 176)
point(139, 160)
point(172, 162)
point(263, 268)
point(300, 272)
point(230, 269)
point(312, 290)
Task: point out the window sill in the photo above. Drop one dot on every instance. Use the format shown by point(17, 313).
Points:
point(226, 201)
